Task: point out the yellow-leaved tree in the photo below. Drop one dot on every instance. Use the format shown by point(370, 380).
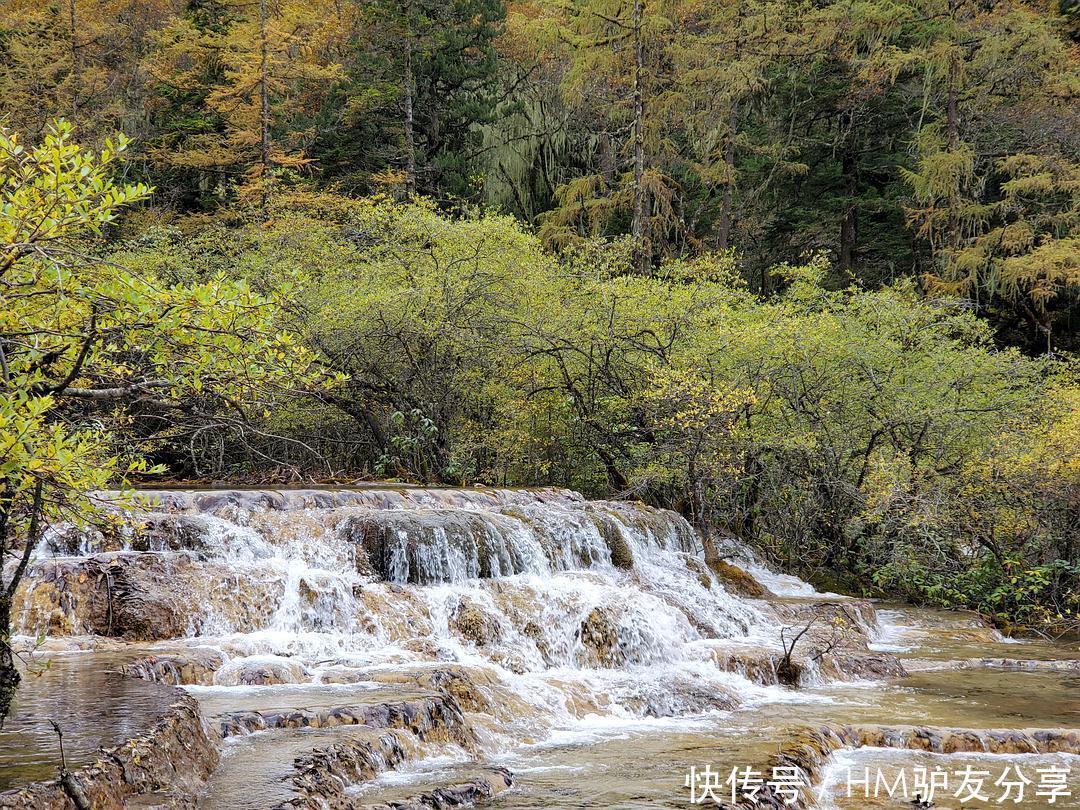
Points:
point(85, 345)
point(258, 74)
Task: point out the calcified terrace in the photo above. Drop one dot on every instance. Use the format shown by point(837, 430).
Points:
point(402, 647)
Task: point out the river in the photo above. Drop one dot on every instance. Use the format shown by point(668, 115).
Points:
point(590, 650)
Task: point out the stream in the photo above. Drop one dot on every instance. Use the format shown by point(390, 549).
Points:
point(583, 646)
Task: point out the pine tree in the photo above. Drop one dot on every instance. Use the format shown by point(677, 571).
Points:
point(80, 59)
point(619, 56)
point(725, 55)
point(994, 187)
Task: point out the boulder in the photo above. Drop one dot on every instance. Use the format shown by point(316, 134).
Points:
point(471, 622)
point(194, 668)
point(599, 640)
point(737, 581)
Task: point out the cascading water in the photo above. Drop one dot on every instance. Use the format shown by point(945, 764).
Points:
point(554, 621)
point(532, 580)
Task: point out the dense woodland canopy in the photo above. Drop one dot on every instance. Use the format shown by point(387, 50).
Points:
point(807, 272)
point(926, 139)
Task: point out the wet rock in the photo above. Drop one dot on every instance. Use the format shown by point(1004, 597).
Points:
point(436, 718)
point(758, 665)
point(835, 645)
point(261, 673)
point(216, 501)
point(131, 595)
point(737, 581)
point(599, 640)
point(680, 696)
point(66, 540)
point(322, 777)
point(139, 596)
point(763, 665)
point(861, 666)
point(427, 546)
point(471, 690)
point(445, 543)
point(387, 496)
point(471, 622)
point(808, 749)
point(194, 668)
point(166, 767)
point(482, 787)
point(622, 555)
point(665, 529)
point(427, 647)
point(536, 634)
point(168, 532)
point(789, 671)
point(1013, 664)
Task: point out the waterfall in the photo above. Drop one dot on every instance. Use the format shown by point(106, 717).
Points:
point(517, 624)
point(530, 582)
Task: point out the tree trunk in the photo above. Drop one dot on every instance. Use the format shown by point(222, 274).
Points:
point(637, 229)
point(616, 480)
point(9, 674)
point(951, 113)
point(410, 138)
point(849, 224)
point(264, 96)
point(952, 129)
point(76, 75)
point(724, 228)
point(726, 217)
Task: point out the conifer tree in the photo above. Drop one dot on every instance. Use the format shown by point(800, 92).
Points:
point(619, 54)
point(255, 76)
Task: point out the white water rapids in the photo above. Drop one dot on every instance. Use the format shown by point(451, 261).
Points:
point(585, 626)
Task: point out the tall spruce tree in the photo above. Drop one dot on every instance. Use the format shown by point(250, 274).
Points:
point(420, 80)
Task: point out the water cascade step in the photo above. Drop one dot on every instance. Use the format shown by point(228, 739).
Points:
point(392, 646)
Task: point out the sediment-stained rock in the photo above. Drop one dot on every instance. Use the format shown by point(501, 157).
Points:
point(622, 555)
point(323, 776)
point(206, 666)
point(470, 621)
point(762, 665)
point(1012, 664)
point(169, 532)
point(483, 786)
point(196, 667)
point(137, 596)
point(681, 695)
point(473, 690)
point(425, 546)
point(599, 637)
point(834, 646)
point(666, 529)
point(263, 672)
point(377, 497)
point(857, 666)
point(436, 718)
point(166, 767)
point(758, 665)
point(737, 581)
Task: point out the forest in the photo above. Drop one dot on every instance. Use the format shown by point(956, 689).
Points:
point(807, 273)
point(541, 403)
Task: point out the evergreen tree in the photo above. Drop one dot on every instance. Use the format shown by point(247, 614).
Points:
point(419, 82)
